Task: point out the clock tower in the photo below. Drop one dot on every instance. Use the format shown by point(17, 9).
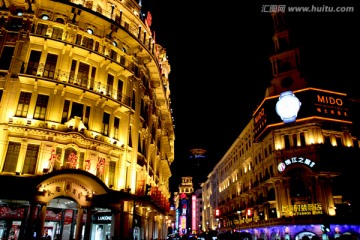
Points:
point(285, 62)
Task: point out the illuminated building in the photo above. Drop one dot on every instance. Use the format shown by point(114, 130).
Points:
point(291, 176)
point(85, 119)
point(183, 204)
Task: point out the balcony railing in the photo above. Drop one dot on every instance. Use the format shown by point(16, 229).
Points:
point(67, 78)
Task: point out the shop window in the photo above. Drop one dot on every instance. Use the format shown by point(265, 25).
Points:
point(12, 156)
point(23, 104)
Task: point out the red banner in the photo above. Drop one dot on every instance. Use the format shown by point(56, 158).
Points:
point(101, 165)
point(72, 160)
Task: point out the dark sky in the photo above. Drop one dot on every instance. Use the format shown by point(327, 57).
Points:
point(220, 68)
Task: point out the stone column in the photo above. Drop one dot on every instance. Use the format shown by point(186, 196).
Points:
point(88, 223)
point(116, 224)
point(42, 216)
point(79, 223)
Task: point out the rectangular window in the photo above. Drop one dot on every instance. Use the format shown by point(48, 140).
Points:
point(122, 60)
point(113, 55)
point(105, 124)
point(110, 84)
point(33, 63)
point(83, 74)
point(23, 104)
point(287, 141)
point(338, 141)
point(97, 44)
point(65, 112)
point(6, 56)
point(72, 71)
point(41, 29)
point(57, 33)
point(111, 177)
point(41, 106)
point(120, 89)
point(77, 109)
point(50, 66)
point(87, 116)
point(12, 156)
point(302, 139)
point(57, 164)
point(116, 127)
point(78, 39)
point(31, 156)
point(81, 160)
point(133, 100)
point(88, 43)
point(92, 78)
point(294, 139)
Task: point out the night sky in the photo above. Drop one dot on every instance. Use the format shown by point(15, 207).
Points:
point(220, 67)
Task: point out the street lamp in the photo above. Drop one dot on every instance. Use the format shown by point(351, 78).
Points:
point(207, 226)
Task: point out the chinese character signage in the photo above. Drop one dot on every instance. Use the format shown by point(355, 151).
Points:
point(315, 104)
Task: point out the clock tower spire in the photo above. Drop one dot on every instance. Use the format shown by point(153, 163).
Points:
point(285, 62)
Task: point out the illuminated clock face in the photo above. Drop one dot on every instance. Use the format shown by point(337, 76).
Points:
point(288, 106)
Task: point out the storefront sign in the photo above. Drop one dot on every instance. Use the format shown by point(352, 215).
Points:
point(303, 209)
point(315, 104)
point(301, 160)
point(102, 218)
